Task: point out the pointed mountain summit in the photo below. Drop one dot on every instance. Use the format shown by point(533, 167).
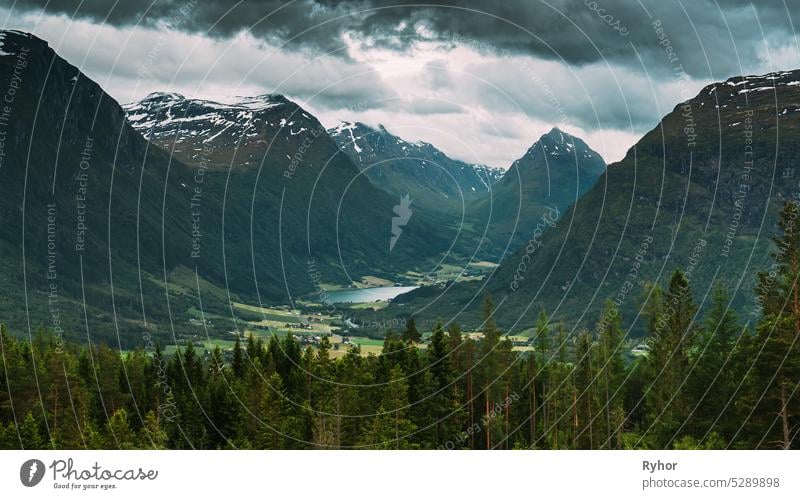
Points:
point(249, 201)
point(552, 175)
point(700, 193)
point(559, 166)
point(291, 187)
point(558, 144)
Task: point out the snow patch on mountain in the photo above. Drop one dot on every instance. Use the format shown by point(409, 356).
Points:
point(170, 115)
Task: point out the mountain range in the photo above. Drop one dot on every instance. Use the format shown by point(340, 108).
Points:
point(133, 217)
point(105, 229)
point(699, 193)
point(127, 217)
point(550, 177)
point(502, 205)
point(434, 180)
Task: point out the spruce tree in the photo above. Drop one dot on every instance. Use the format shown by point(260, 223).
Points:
point(152, 435)
point(272, 415)
point(237, 362)
point(391, 427)
point(442, 398)
point(411, 334)
point(30, 435)
point(667, 397)
point(119, 434)
point(611, 367)
point(777, 371)
point(716, 374)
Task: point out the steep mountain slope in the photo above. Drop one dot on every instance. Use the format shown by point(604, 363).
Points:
point(197, 130)
point(426, 174)
point(94, 214)
point(291, 199)
point(84, 203)
point(552, 174)
point(700, 192)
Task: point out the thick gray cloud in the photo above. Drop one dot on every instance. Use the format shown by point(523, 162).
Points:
point(499, 73)
point(711, 38)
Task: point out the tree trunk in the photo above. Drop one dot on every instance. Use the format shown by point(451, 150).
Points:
point(470, 402)
point(533, 412)
point(488, 424)
point(784, 418)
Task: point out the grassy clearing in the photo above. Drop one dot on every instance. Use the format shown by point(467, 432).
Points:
point(371, 281)
point(265, 310)
point(483, 264)
point(364, 341)
point(374, 305)
point(329, 286)
point(365, 350)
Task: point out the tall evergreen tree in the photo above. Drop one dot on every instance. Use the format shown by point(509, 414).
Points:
point(716, 370)
point(411, 334)
point(667, 399)
point(777, 372)
point(444, 405)
point(585, 419)
point(611, 366)
point(237, 363)
point(391, 427)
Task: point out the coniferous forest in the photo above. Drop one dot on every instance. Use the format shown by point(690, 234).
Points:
point(710, 382)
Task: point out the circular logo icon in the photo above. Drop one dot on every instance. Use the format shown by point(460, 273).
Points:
point(31, 472)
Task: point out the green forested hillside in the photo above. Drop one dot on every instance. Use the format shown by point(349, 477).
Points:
point(692, 384)
point(100, 224)
point(700, 192)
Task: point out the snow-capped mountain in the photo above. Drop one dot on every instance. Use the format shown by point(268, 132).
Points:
point(553, 173)
point(289, 182)
point(195, 127)
point(700, 192)
point(419, 169)
point(559, 144)
point(734, 89)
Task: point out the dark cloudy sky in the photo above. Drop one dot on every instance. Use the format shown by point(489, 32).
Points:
point(480, 79)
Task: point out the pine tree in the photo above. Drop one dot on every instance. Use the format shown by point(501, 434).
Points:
point(585, 419)
point(611, 366)
point(543, 359)
point(411, 334)
point(494, 355)
point(325, 399)
point(716, 374)
point(119, 434)
point(442, 397)
point(668, 402)
point(458, 355)
point(237, 362)
point(778, 367)
point(391, 428)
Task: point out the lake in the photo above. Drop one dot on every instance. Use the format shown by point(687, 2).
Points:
point(367, 295)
